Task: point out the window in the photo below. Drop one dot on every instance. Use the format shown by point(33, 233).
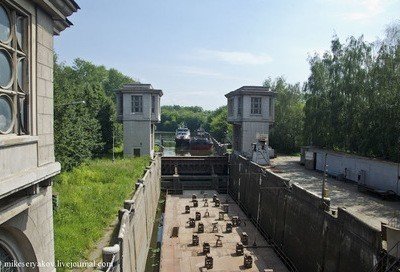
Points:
point(239, 106)
point(271, 104)
point(14, 85)
point(120, 104)
point(7, 260)
point(137, 103)
point(230, 106)
point(153, 104)
point(256, 105)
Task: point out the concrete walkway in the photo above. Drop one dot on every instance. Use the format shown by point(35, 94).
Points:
point(369, 207)
point(177, 253)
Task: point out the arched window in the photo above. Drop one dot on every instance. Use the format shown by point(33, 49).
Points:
point(14, 71)
point(7, 260)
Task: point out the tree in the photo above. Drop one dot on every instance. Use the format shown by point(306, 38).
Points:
point(287, 132)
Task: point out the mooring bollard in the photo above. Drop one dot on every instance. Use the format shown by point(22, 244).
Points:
point(111, 258)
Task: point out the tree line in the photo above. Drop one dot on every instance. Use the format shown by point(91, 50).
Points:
point(85, 111)
point(350, 102)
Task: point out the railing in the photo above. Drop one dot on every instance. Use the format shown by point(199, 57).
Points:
point(136, 221)
point(387, 261)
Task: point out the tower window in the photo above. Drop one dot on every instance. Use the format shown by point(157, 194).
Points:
point(137, 103)
point(256, 105)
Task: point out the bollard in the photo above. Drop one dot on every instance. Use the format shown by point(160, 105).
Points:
point(206, 214)
point(200, 228)
point(187, 209)
point(239, 249)
point(218, 243)
point(221, 216)
point(214, 197)
point(191, 223)
point(129, 205)
point(195, 203)
point(217, 202)
point(245, 238)
point(206, 248)
point(209, 262)
point(215, 227)
point(108, 255)
point(195, 240)
point(235, 221)
point(198, 216)
point(228, 227)
point(248, 261)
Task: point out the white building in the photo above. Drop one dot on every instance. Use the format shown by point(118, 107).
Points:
point(138, 107)
point(251, 111)
point(27, 162)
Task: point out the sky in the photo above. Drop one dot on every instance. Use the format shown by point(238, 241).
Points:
point(198, 50)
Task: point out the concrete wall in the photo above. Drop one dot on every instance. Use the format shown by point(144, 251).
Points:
point(27, 161)
point(137, 134)
point(136, 222)
point(380, 175)
point(301, 225)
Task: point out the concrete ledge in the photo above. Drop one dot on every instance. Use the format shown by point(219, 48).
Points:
point(27, 178)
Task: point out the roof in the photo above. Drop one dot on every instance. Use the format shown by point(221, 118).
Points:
point(252, 90)
point(139, 88)
point(59, 10)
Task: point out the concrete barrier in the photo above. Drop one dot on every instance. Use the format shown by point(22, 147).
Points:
point(136, 221)
point(300, 224)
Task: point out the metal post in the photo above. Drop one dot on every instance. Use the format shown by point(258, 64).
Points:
point(113, 144)
point(324, 178)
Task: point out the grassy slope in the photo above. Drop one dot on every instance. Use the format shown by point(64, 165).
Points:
point(90, 197)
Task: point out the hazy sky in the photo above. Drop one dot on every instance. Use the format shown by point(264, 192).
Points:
point(198, 50)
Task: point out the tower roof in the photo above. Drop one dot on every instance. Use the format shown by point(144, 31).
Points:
point(252, 90)
point(136, 87)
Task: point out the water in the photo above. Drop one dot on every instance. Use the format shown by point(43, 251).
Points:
point(172, 152)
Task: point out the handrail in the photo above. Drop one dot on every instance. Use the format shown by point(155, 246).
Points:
point(376, 268)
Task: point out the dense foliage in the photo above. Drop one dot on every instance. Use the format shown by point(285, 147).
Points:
point(84, 130)
point(286, 136)
point(353, 97)
point(214, 122)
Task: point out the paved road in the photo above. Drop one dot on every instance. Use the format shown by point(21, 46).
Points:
point(369, 207)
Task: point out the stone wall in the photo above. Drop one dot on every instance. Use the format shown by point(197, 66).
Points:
point(136, 222)
point(300, 224)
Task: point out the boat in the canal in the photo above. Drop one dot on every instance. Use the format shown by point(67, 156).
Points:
point(182, 137)
point(202, 140)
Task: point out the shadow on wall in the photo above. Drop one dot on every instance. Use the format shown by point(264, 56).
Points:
point(300, 224)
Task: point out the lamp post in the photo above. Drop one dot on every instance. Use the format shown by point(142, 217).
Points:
point(324, 178)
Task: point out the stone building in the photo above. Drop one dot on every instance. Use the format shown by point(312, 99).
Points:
point(27, 162)
point(251, 111)
point(138, 107)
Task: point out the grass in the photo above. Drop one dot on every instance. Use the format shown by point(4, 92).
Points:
point(90, 197)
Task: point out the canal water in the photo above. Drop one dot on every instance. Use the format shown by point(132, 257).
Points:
point(171, 151)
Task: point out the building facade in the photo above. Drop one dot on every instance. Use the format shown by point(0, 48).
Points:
point(251, 111)
point(27, 162)
point(138, 107)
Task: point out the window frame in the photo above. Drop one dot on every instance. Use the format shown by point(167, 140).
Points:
point(139, 107)
point(256, 105)
point(231, 102)
point(20, 96)
point(153, 104)
point(239, 106)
